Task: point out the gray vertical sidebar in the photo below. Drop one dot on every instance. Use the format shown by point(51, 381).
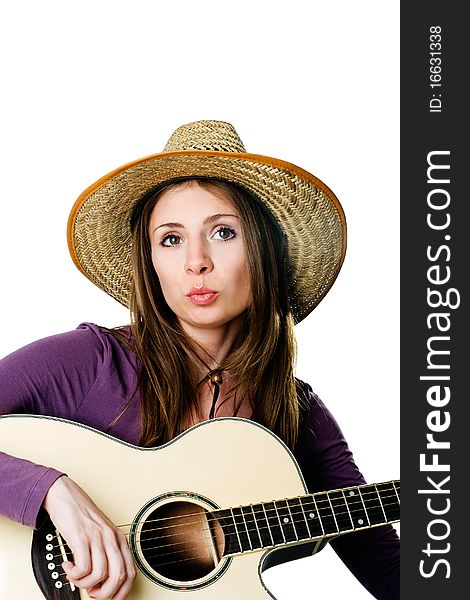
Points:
point(435, 270)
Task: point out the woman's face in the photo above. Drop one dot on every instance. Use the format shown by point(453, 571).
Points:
point(199, 256)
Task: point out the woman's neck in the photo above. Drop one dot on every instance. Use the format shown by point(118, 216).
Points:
point(215, 342)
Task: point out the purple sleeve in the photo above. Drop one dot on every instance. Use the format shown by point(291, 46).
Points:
point(48, 377)
point(372, 555)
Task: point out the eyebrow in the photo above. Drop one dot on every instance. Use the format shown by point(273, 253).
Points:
point(207, 221)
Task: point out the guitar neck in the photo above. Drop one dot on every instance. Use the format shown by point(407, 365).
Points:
point(303, 518)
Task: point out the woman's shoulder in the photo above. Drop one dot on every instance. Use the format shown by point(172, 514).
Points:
point(117, 337)
point(53, 375)
point(114, 346)
point(316, 420)
point(322, 451)
point(310, 403)
point(89, 344)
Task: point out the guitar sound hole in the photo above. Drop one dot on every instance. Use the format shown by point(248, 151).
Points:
point(181, 541)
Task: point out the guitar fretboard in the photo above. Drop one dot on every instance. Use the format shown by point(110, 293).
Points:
point(323, 514)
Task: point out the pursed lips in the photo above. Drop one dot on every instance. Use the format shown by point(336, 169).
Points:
point(202, 295)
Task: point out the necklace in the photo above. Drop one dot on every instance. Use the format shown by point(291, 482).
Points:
point(215, 377)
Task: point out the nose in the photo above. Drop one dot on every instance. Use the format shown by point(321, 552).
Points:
point(198, 259)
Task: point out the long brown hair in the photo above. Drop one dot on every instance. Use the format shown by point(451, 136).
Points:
point(261, 363)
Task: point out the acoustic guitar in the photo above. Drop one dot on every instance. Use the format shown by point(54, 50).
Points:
point(204, 514)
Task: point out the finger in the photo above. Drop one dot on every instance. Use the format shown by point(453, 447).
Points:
point(123, 592)
point(82, 562)
point(116, 571)
point(99, 567)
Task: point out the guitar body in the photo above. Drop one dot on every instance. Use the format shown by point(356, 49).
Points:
point(221, 463)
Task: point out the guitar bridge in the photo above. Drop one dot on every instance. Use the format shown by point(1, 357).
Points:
point(48, 551)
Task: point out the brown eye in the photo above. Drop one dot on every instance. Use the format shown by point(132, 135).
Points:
point(171, 240)
point(224, 234)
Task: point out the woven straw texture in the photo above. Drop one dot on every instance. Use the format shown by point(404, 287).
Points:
point(307, 211)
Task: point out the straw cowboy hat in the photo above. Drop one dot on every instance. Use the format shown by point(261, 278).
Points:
point(307, 211)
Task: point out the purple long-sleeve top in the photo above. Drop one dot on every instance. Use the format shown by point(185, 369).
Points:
point(88, 376)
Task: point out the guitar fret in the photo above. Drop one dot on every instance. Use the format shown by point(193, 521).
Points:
point(356, 507)
point(396, 491)
point(347, 508)
point(246, 527)
point(373, 505)
point(362, 500)
point(319, 515)
point(390, 500)
point(326, 512)
point(255, 520)
point(227, 522)
point(240, 528)
point(312, 517)
point(332, 510)
point(341, 511)
point(267, 525)
point(236, 531)
point(275, 528)
point(380, 500)
point(299, 518)
point(280, 524)
point(293, 520)
point(251, 528)
point(287, 525)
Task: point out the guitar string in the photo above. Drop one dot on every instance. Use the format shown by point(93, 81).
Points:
point(247, 531)
point(172, 562)
point(318, 508)
point(321, 503)
point(287, 510)
point(205, 555)
point(224, 556)
point(308, 498)
point(264, 546)
point(330, 515)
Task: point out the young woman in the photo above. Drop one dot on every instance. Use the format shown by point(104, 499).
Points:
point(217, 253)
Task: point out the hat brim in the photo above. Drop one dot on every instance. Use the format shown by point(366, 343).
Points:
point(99, 235)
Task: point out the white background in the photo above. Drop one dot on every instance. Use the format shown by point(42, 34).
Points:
point(91, 85)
